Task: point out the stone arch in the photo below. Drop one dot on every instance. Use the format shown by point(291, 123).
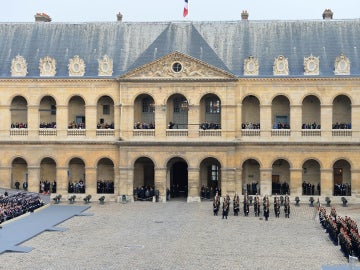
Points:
point(19, 173)
point(210, 112)
point(251, 177)
point(105, 175)
point(144, 178)
point(311, 177)
point(280, 112)
point(76, 112)
point(144, 112)
point(76, 176)
point(210, 177)
point(280, 177)
point(19, 112)
point(47, 179)
point(177, 177)
point(342, 178)
point(311, 112)
point(341, 112)
point(177, 111)
point(105, 112)
point(47, 112)
point(250, 112)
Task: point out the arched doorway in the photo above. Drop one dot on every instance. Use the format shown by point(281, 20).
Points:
point(280, 177)
point(76, 175)
point(311, 178)
point(342, 178)
point(251, 177)
point(177, 178)
point(19, 173)
point(47, 176)
point(144, 179)
point(210, 178)
point(105, 176)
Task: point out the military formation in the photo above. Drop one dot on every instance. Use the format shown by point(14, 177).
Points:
point(225, 203)
point(342, 231)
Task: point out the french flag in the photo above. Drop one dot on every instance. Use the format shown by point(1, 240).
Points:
point(186, 8)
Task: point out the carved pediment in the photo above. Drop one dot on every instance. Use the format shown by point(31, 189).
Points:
point(251, 66)
point(311, 65)
point(178, 66)
point(281, 66)
point(105, 66)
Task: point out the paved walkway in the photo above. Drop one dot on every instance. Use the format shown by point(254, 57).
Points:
point(179, 235)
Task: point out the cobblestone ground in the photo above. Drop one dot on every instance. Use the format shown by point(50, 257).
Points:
point(180, 235)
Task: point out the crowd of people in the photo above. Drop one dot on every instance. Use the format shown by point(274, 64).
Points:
point(309, 188)
point(17, 204)
point(252, 188)
point(342, 189)
point(341, 126)
point(105, 186)
point(47, 125)
point(247, 202)
point(207, 193)
point(311, 126)
point(342, 231)
point(250, 125)
point(77, 187)
point(104, 125)
point(73, 125)
point(280, 188)
point(146, 193)
point(144, 125)
point(19, 125)
point(206, 125)
point(47, 187)
point(281, 126)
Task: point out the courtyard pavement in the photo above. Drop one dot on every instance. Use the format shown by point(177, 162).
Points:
point(180, 235)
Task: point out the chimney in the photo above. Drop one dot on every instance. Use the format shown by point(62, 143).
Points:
point(119, 17)
point(42, 17)
point(244, 15)
point(328, 14)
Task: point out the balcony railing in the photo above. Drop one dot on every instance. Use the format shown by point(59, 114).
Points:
point(176, 132)
point(250, 132)
point(144, 132)
point(311, 133)
point(47, 132)
point(341, 132)
point(19, 132)
point(210, 133)
point(76, 132)
point(280, 132)
point(105, 132)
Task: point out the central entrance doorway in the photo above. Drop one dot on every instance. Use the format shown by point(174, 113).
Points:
point(177, 178)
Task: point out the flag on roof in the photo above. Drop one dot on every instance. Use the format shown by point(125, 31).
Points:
point(186, 8)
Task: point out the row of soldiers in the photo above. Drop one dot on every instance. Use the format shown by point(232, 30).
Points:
point(246, 205)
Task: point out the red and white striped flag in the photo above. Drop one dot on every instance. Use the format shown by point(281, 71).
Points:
point(186, 8)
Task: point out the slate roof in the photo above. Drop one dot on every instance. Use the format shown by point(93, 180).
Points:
point(224, 45)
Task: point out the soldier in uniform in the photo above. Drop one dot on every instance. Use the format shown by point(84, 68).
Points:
point(266, 207)
point(246, 204)
point(277, 206)
point(216, 204)
point(287, 206)
point(225, 207)
point(257, 205)
point(236, 203)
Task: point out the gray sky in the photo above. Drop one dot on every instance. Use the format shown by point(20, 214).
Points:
point(171, 10)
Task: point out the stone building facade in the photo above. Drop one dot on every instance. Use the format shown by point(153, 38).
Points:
point(257, 106)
